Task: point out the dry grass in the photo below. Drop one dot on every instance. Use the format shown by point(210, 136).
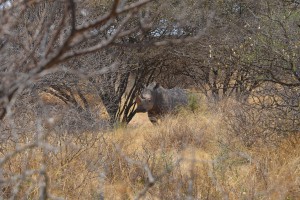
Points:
point(190, 156)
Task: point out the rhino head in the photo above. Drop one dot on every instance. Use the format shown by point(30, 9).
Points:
point(146, 100)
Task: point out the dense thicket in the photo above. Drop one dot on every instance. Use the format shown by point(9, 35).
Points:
point(69, 67)
point(222, 48)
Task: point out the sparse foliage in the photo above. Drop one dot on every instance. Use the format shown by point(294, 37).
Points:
point(70, 71)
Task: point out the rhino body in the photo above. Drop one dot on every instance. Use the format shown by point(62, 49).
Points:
point(158, 101)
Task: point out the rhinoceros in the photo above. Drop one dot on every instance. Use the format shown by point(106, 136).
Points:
point(158, 101)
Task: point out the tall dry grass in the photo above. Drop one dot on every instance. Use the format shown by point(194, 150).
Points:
point(189, 156)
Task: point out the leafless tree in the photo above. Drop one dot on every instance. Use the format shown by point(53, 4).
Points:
point(70, 50)
point(39, 36)
point(60, 61)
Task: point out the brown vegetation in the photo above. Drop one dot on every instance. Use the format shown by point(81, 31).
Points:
point(191, 155)
point(70, 72)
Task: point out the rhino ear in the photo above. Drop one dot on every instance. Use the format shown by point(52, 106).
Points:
point(156, 86)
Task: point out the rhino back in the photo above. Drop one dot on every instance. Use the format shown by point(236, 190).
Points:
point(177, 97)
point(166, 100)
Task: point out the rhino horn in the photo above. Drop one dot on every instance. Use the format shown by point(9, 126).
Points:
point(138, 100)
